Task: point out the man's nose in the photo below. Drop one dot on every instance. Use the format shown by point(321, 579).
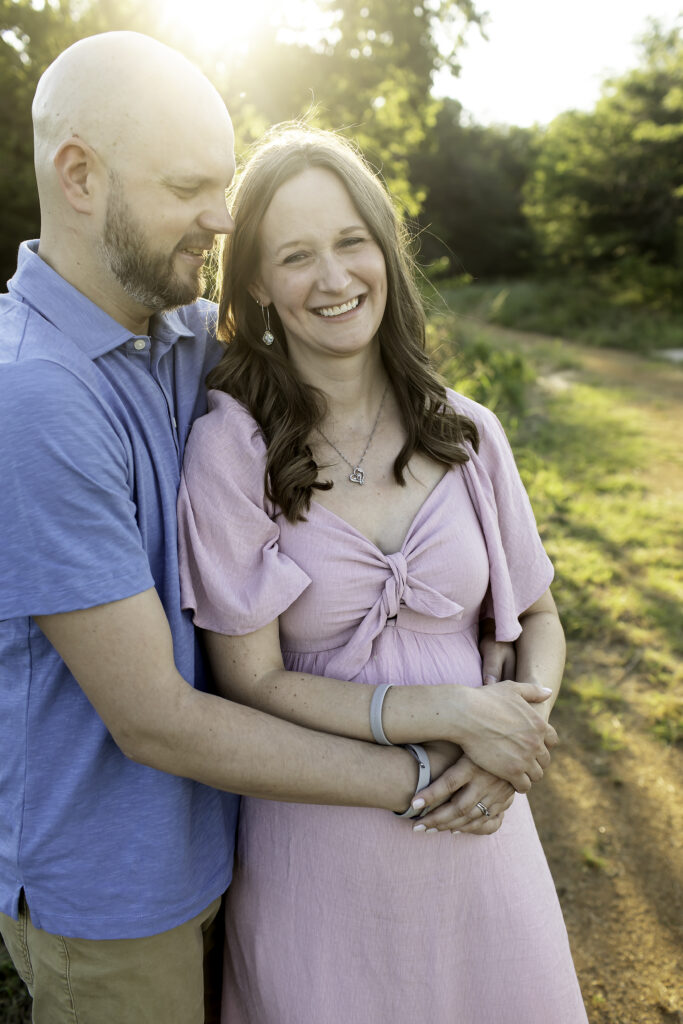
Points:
point(217, 218)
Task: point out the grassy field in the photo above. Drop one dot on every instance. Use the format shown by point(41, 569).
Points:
point(596, 311)
point(597, 437)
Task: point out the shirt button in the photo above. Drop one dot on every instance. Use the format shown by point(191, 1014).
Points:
point(139, 344)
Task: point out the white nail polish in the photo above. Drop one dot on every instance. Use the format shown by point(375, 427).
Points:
point(419, 828)
point(432, 830)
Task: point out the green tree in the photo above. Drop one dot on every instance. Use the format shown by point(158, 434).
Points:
point(473, 178)
point(607, 186)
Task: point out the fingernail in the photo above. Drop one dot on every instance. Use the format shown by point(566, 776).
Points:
point(546, 689)
point(419, 828)
point(455, 831)
point(432, 830)
point(418, 803)
point(490, 679)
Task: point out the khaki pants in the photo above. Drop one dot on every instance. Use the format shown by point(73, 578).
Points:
point(155, 980)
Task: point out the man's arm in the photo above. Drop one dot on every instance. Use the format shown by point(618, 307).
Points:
point(509, 737)
point(121, 654)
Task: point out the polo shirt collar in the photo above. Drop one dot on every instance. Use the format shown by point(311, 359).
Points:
point(72, 313)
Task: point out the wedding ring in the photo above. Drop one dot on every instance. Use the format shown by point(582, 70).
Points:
point(484, 809)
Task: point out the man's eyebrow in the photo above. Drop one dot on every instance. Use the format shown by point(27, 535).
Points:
point(191, 181)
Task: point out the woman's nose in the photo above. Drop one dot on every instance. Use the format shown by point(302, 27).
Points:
point(334, 275)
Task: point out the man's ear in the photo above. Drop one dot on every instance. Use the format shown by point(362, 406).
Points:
point(75, 162)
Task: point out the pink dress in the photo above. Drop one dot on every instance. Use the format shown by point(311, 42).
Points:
point(342, 915)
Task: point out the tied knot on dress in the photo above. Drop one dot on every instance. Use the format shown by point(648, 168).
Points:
point(400, 589)
point(395, 586)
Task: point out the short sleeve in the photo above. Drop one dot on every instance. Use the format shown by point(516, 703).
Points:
point(520, 570)
point(70, 537)
point(233, 575)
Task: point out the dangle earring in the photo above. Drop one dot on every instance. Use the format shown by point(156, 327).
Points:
point(267, 337)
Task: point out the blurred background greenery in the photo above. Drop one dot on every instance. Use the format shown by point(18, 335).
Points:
point(589, 207)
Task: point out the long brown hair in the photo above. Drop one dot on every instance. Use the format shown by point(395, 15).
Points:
point(265, 381)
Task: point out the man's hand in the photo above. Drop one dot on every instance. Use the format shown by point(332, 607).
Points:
point(498, 658)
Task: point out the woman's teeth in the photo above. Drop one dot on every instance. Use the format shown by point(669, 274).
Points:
point(338, 310)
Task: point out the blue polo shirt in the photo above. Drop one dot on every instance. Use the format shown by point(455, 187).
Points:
point(93, 422)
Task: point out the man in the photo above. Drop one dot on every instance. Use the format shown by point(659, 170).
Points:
point(116, 840)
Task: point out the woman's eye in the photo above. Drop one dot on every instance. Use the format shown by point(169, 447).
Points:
point(348, 242)
point(294, 257)
point(185, 191)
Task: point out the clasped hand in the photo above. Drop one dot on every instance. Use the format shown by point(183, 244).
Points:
point(506, 747)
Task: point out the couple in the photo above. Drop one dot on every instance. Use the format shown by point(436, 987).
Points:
point(347, 528)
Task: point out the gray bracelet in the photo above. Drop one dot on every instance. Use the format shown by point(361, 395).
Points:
point(424, 777)
point(376, 705)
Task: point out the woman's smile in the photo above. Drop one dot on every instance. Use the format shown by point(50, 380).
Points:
point(338, 311)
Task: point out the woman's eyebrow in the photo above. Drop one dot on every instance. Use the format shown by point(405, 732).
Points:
point(299, 241)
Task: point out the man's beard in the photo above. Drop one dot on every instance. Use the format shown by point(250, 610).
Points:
point(146, 276)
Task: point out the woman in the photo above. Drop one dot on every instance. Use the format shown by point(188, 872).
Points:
point(345, 522)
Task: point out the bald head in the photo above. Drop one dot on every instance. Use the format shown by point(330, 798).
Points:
point(134, 153)
point(119, 92)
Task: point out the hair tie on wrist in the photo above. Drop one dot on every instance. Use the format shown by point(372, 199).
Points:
point(376, 705)
point(424, 777)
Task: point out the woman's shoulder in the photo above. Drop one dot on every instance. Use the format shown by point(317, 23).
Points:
point(227, 430)
point(486, 422)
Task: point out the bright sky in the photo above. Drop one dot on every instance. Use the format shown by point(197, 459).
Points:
point(547, 56)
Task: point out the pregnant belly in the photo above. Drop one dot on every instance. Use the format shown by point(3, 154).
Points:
point(406, 657)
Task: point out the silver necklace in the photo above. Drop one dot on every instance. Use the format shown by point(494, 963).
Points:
point(357, 475)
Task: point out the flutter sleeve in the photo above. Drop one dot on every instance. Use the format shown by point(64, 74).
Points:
point(520, 570)
point(233, 576)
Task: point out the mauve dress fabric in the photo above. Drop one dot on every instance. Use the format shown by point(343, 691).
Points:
point(342, 915)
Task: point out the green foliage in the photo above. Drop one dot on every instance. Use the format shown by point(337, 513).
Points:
point(497, 378)
point(630, 310)
point(15, 1002)
point(473, 179)
point(609, 184)
point(370, 78)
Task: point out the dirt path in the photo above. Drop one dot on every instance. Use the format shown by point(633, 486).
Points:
point(611, 820)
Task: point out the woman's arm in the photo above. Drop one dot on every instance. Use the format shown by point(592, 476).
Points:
point(497, 726)
point(540, 653)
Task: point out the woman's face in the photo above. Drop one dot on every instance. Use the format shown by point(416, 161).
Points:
point(321, 269)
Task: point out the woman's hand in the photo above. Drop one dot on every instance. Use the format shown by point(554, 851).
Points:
point(501, 731)
point(464, 785)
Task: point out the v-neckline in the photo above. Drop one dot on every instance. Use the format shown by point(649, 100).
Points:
point(354, 529)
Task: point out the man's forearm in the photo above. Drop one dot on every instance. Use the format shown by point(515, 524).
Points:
point(541, 652)
point(241, 750)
